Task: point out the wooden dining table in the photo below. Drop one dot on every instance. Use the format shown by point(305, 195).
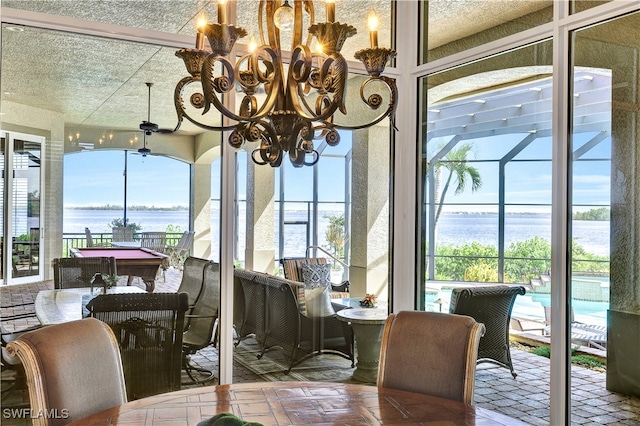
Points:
point(297, 403)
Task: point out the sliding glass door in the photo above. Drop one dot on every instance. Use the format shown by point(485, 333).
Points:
point(21, 196)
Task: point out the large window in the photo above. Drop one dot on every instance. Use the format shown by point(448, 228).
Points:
point(528, 178)
point(105, 186)
point(604, 173)
point(487, 170)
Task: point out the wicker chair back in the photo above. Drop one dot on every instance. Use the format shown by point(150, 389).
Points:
point(148, 328)
point(76, 272)
point(492, 306)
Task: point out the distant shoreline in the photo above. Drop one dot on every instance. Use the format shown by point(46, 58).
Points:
point(459, 213)
point(129, 208)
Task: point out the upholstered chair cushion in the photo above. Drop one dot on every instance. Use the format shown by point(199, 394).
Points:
point(73, 369)
point(431, 353)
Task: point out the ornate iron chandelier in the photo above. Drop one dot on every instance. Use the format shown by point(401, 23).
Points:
point(298, 106)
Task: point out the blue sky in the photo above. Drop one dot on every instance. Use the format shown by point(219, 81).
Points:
point(96, 178)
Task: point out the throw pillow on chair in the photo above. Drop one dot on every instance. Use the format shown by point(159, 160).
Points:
point(317, 283)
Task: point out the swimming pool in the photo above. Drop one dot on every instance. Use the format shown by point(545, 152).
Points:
point(530, 306)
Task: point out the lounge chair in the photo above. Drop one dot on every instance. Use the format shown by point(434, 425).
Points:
point(590, 335)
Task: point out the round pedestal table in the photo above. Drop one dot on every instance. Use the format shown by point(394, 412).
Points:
point(367, 324)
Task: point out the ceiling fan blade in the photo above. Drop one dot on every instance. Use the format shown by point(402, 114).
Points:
point(148, 127)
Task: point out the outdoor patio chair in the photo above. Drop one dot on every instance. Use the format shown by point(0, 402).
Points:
point(431, 353)
point(29, 254)
point(148, 328)
point(88, 381)
point(192, 279)
point(201, 330)
point(90, 240)
point(121, 233)
point(76, 272)
point(156, 241)
point(492, 306)
point(180, 251)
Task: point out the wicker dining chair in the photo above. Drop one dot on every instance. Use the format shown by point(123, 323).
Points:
point(492, 306)
point(157, 242)
point(75, 272)
point(14, 381)
point(148, 328)
point(121, 233)
point(73, 370)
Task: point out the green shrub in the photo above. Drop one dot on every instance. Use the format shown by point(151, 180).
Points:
point(527, 259)
point(481, 273)
point(452, 262)
point(523, 260)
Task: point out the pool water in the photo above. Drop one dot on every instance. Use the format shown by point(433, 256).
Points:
point(531, 306)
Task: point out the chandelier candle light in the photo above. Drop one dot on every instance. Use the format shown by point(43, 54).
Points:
point(298, 106)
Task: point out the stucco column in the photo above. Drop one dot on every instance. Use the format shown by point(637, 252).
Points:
point(207, 149)
point(201, 208)
point(623, 317)
point(370, 198)
point(259, 250)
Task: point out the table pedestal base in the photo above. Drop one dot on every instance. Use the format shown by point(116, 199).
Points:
point(368, 337)
point(367, 325)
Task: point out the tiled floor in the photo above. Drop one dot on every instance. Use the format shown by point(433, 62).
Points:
point(525, 397)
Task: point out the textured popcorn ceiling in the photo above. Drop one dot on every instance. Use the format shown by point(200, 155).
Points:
point(98, 82)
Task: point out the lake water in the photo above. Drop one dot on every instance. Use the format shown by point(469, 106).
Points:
point(452, 229)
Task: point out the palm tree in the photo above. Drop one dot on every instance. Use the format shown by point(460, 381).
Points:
point(458, 170)
point(335, 235)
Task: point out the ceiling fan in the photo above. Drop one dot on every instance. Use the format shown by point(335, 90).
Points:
point(144, 150)
point(147, 126)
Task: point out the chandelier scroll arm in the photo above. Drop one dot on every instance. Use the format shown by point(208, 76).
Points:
point(209, 90)
point(182, 112)
point(389, 112)
point(300, 72)
point(270, 149)
point(273, 76)
point(178, 103)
